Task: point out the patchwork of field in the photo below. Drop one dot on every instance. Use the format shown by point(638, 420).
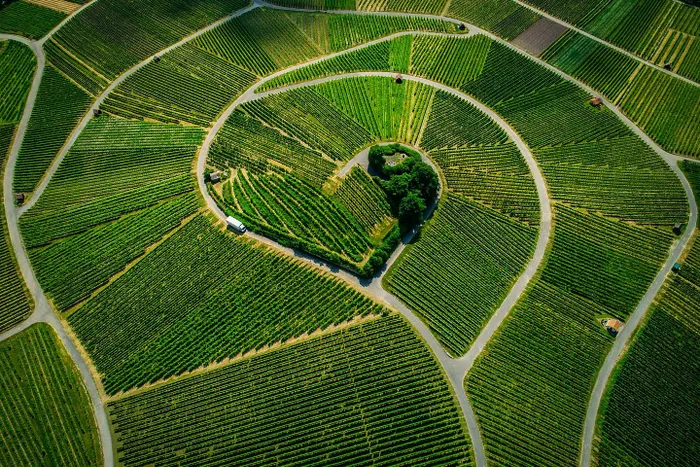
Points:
point(667, 109)
point(664, 32)
point(659, 373)
point(369, 394)
point(194, 83)
point(209, 347)
point(17, 65)
point(47, 416)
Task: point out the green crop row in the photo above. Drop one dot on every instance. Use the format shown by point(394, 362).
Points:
point(389, 112)
point(531, 385)
point(202, 296)
point(245, 142)
point(647, 413)
point(28, 19)
point(14, 306)
point(298, 210)
point(112, 36)
point(364, 199)
point(122, 187)
point(186, 85)
point(308, 116)
point(504, 18)
point(17, 64)
point(81, 74)
point(59, 106)
point(456, 276)
point(664, 107)
point(71, 269)
point(454, 122)
point(47, 414)
point(366, 395)
point(495, 176)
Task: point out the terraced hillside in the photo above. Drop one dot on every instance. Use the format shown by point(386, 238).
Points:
point(461, 249)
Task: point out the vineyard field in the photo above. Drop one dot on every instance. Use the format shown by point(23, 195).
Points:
point(112, 36)
point(145, 191)
point(14, 304)
point(664, 107)
point(70, 269)
point(188, 323)
point(364, 199)
point(460, 270)
point(59, 106)
point(504, 18)
point(531, 385)
point(658, 373)
point(47, 416)
point(288, 208)
point(368, 394)
point(17, 65)
point(28, 19)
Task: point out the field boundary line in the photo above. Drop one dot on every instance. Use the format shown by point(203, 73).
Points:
point(206, 368)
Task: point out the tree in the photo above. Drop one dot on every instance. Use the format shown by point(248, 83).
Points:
point(411, 208)
point(397, 186)
point(376, 159)
point(424, 179)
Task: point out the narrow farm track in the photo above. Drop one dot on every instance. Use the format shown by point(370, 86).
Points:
point(456, 369)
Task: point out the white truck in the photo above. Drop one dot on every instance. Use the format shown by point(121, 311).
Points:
point(235, 224)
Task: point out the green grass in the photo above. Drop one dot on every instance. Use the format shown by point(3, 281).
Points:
point(367, 395)
point(214, 297)
point(461, 268)
point(47, 414)
point(28, 19)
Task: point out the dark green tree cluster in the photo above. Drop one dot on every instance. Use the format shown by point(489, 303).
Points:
point(410, 185)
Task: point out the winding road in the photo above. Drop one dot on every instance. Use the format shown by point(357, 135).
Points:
point(455, 368)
